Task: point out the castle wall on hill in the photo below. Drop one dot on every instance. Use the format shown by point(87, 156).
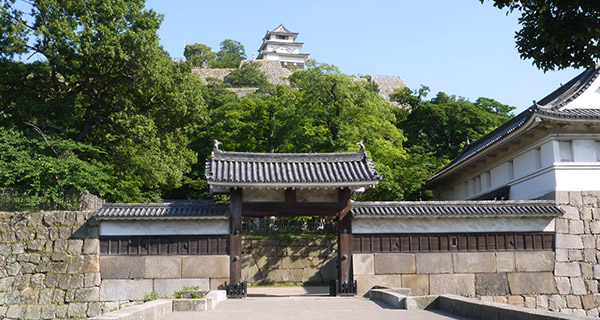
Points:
point(276, 74)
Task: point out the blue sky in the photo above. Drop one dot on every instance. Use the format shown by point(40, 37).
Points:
point(460, 47)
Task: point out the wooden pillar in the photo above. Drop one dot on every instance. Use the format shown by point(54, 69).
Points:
point(235, 237)
point(344, 237)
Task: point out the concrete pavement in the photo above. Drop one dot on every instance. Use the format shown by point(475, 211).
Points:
point(306, 308)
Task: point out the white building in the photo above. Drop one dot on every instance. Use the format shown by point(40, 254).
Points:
point(552, 146)
point(280, 44)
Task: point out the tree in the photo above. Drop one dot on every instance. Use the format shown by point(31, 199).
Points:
point(557, 34)
point(199, 55)
point(248, 75)
point(231, 54)
point(103, 92)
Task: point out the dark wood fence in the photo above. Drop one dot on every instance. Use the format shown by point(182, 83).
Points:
point(504, 241)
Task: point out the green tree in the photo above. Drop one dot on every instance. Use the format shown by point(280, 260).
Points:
point(102, 91)
point(556, 34)
point(199, 55)
point(249, 75)
point(231, 54)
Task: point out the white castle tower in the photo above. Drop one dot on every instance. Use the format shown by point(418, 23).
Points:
point(280, 44)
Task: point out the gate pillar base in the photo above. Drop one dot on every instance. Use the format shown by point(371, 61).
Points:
point(342, 289)
point(237, 290)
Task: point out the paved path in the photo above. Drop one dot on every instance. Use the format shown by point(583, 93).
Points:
point(307, 308)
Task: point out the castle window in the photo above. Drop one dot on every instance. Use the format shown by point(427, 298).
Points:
point(565, 151)
point(511, 170)
point(538, 158)
point(282, 37)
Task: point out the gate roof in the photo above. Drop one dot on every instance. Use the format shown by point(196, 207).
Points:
point(290, 170)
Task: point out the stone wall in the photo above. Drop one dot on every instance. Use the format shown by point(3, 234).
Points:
point(289, 261)
point(565, 280)
point(49, 265)
point(577, 271)
point(387, 85)
point(128, 278)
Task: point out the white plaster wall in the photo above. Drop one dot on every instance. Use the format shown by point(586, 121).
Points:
point(590, 99)
point(533, 186)
point(584, 150)
point(500, 175)
point(164, 227)
point(547, 153)
point(577, 176)
point(445, 225)
point(524, 164)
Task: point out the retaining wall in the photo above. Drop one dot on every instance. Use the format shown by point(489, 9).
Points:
point(49, 265)
point(279, 261)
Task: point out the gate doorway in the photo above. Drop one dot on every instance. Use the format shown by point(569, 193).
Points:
point(289, 251)
point(291, 185)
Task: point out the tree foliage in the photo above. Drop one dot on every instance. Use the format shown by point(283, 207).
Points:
point(248, 75)
point(103, 97)
point(557, 34)
point(199, 55)
point(231, 54)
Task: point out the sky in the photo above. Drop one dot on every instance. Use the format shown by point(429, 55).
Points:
point(460, 47)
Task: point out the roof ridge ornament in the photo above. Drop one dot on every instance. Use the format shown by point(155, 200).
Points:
point(362, 146)
point(597, 63)
point(216, 147)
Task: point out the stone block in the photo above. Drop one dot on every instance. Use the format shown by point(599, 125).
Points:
point(587, 270)
point(434, 263)
point(205, 267)
point(84, 264)
point(516, 301)
point(541, 301)
point(575, 255)
point(473, 262)
point(77, 310)
point(568, 241)
point(15, 311)
point(87, 294)
point(367, 282)
point(588, 302)
point(574, 302)
point(534, 261)
point(571, 213)
point(363, 264)
point(294, 263)
point(500, 299)
point(531, 283)
point(578, 286)
point(556, 302)
point(563, 285)
point(567, 269)
point(562, 197)
point(460, 284)
point(530, 302)
point(394, 263)
point(491, 284)
point(505, 261)
point(417, 283)
point(190, 305)
point(91, 246)
point(166, 287)
point(113, 267)
point(311, 275)
point(117, 289)
point(74, 247)
point(576, 227)
point(162, 267)
point(561, 225)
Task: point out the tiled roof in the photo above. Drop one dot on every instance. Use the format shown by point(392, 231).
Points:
point(549, 106)
point(233, 169)
point(172, 209)
point(455, 208)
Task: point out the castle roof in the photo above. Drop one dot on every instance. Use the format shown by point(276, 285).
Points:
point(574, 101)
point(281, 29)
point(176, 209)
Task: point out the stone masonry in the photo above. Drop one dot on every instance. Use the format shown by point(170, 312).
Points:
point(565, 280)
point(285, 261)
point(49, 265)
